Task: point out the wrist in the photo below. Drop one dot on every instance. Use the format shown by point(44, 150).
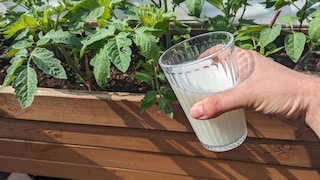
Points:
point(312, 94)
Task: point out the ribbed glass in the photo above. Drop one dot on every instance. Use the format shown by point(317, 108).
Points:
point(194, 76)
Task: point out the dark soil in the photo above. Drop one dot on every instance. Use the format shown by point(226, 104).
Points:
point(125, 82)
point(118, 82)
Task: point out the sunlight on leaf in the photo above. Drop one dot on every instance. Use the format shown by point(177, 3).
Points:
point(45, 61)
point(25, 85)
point(119, 51)
point(268, 35)
point(101, 66)
point(294, 45)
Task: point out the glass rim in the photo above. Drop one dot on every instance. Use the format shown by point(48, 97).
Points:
point(201, 59)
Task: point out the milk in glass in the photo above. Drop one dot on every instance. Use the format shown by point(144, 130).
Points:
point(191, 85)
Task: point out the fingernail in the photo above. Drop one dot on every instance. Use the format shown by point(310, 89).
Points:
point(196, 111)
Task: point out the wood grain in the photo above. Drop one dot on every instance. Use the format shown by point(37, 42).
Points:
point(80, 135)
point(151, 162)
point(291, 153)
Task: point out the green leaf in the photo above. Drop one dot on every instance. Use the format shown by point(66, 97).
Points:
point(59, 37)
point(12, 52)
point(274, 50)
point(195, 7)
point(281, 3)
point(45, 61)
point(148, 44)
point(94, 14)
point(101, 66)
point(22, 44)
point(314, 29)
point(294, 45)
point(268, 35)
point(85, 10)
point(119, 51)
point(98, 35)
point(144, 76)
point(148, 100)
point(14, 28)
point(23, 34)
point(22, 23)
point(216, 3)
point(162, 77)
point(168, 93)
point(287, 19)
point(165, 106)
point(15, 62)
point(25, 85)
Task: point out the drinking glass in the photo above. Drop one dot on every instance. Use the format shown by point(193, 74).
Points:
point(197, 68)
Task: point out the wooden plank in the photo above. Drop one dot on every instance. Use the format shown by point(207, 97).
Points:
point(91, 108)
point(293, 153)
point(96, 109)
point(79, 171)
point(149, 162)
point(289, 153)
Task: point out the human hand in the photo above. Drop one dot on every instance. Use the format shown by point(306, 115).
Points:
point(268, 87)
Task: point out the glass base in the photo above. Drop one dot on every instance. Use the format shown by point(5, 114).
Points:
point(226, 147)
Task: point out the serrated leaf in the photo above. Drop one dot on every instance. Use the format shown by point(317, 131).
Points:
point(85, 10)
point(314, 29)
point(294, 45)
point(25, 85)
point(148, 100)
point(59, 37)
point(45, 61)
point(15, 62)
point(119, 51)
point(14, 28)
point(268, 35)
point(144, 76)
point(94, 14)
point(22, 44)
point(168, 93)
point(22, 23)
point(101, 67)
point(12, 52)
point(98, 35)
point(147, 44)
point(23, 34)
point(165, 106)
point(195, 7)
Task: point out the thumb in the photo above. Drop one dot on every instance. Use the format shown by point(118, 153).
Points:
point(218, 104)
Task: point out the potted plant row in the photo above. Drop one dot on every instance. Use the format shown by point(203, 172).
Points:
point(122, 134)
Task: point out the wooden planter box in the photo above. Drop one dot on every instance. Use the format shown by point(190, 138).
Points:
point(80, 135)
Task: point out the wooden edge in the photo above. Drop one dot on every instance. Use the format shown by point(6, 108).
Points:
point(80, 171)
point(256, 150)
point(123, 110)
point(81, 94)
point(150, 162)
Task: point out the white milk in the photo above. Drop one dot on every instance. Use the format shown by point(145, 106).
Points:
point(228, 130)
point(217, 134)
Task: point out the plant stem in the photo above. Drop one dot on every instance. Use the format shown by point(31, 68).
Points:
point(303, 15)
point(244, 10)
point(165, 5)
point(275, 17)
point(72, 65)
point(88, 73)
point(154, 3)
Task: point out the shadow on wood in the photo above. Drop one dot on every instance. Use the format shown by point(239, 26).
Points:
point(77, 135)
